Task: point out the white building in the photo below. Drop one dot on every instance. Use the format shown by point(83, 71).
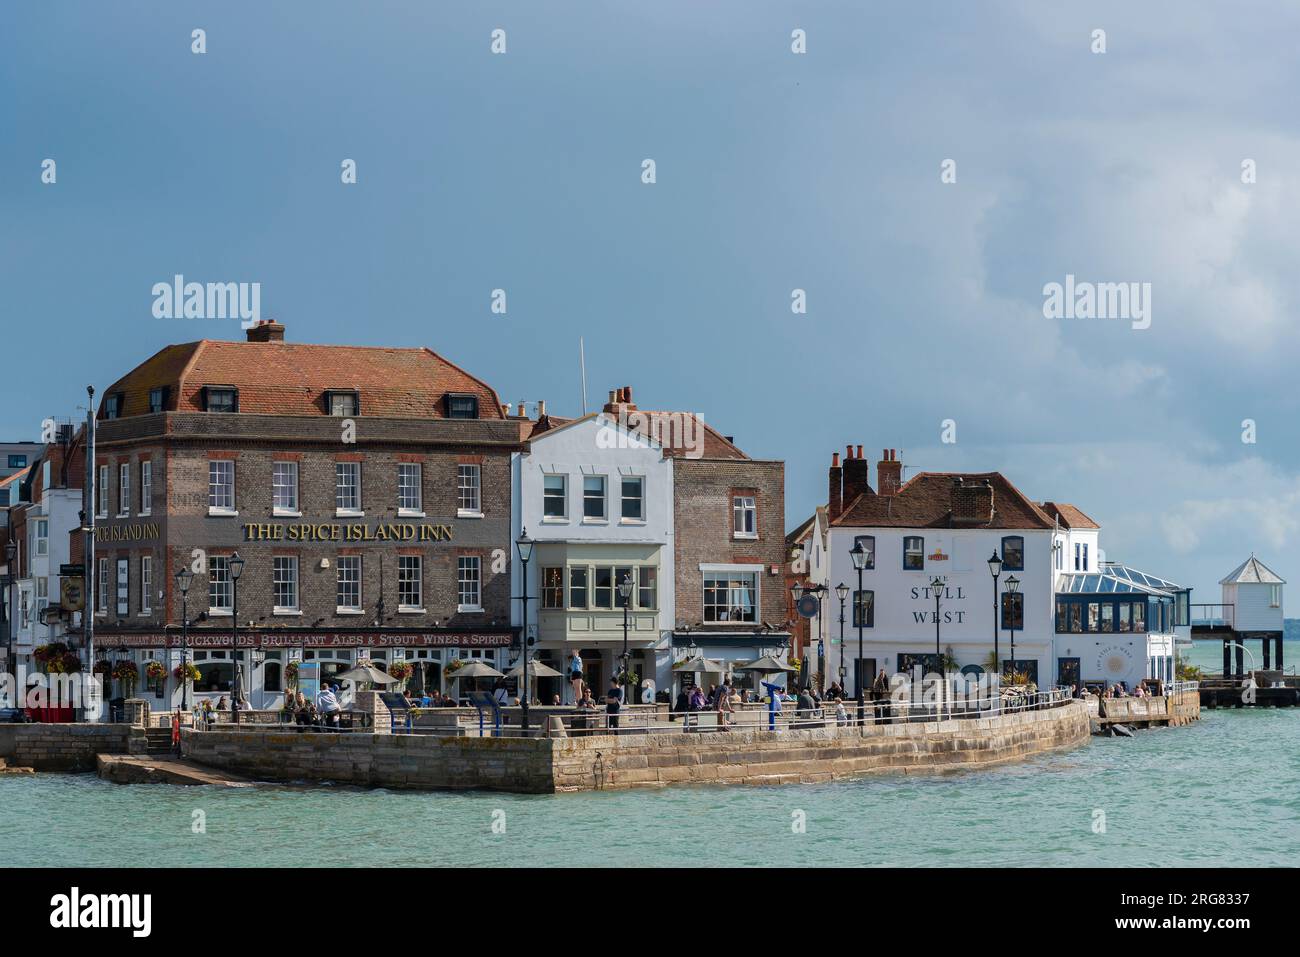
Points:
point(933, 536)
point(597, 498)
point(1253, 592)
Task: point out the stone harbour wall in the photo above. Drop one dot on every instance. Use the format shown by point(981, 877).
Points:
point(544, 765)
point(427, 762)
point(813, 755)
point(67, 747)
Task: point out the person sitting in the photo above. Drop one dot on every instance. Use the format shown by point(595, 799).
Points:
point(681, 705)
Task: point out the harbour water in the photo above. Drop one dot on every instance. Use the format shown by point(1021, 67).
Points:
point(1223, 791)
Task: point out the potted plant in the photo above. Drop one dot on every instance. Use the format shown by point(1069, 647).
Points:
point(154, 670)
point(126, 672)
point(401, 670)
point(291, 674)
point(186, 672)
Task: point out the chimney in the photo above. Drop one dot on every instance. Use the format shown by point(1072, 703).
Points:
point(505, 409)
point(889, 472)
point(857, 476)
point(972, 502)
point(266, 330)
point(834, 502)
point(541, 408)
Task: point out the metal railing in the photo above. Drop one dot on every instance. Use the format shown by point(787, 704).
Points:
point(343, 722)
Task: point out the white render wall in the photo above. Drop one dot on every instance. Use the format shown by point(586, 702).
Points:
point(1252, 606)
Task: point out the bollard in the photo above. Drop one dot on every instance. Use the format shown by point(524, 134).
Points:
point(555, 727)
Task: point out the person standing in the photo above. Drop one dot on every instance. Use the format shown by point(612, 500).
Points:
point(575, 675)
point(613, 704)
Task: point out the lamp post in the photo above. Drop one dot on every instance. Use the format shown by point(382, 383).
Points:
point(237, 688)
point(1013, 586)
point(936, 589)
point(842, 593)
point(524, 545)
point(183, 579)
point(995, 569)
point(861, 555)
point(625, 592)
point(6, 619)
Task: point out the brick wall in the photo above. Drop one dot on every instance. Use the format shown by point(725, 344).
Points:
point(703, 490)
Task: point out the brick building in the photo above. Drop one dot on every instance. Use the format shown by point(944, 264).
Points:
point(367, 491)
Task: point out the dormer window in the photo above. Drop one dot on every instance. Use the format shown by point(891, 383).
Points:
point(113, 406)
point(462, 406)
point(158, 399)
point(344, 403)
point(220, 398)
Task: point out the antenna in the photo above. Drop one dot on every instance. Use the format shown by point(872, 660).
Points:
point(582, 363)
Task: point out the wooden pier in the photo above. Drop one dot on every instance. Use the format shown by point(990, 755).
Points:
point(1165, 711)
point(1271, 690)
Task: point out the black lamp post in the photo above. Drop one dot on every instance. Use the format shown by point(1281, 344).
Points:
point(625, 592)
point(1013, 586)
point(995, 569)
point(936, 589)
point(842, 593)
point(183, 579)
point(6, 619)
point(861, 555)
point(236, 565)
point(525, 547)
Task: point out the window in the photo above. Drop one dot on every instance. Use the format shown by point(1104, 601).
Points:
point(1139, 616)
point(343, 404)
point(42, 598)
point(123, 587)
point(621, 575)
point(468, 597)
point(633, 500)
point(593, 497)
point(555, 496)
point(409, 582)
point(1107, 623)
point(271, 673)
point(868, 543)
point(220, 596)
point(1013, 610)
point(468, 481)
point(744, 516)
point(913, 553)
point(123, 490)
point(284, 582)
point(730, 596)
point(41, 529)
point(462, 406)
point(101, 588)
point(552, 587)
point(18, 461)
point(113, 406)
point(158, 399)
point(349, 582)
point(577, 588)
point(1013, 553)
point(221, 486)
point(146, 487)
point(220, 399)
point(410, 493)
point(284, 488)
point(1093, 621)
point(1080, 557)
point(602, 593)
point(1085, 556)
point(1274, 596)
point(146, 584)
point(101, 493)
point(647, 590)
point(347, 487)
point(864, 609)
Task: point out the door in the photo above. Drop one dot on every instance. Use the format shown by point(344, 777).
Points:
point(864, 672)
point(1067, 671)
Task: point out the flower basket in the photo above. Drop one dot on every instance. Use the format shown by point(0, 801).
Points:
point(154, 670)
point(401, 670)
point(186, 672)
point(454, 666)
point(291, 673)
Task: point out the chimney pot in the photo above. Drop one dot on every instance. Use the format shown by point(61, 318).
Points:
point(541, 408)
point(835, 460)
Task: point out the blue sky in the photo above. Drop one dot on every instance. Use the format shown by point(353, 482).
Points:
point(775, 171)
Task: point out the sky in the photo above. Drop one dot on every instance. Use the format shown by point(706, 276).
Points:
point(775, 171)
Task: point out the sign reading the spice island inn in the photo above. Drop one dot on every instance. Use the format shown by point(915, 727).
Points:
point(351, 532)
point(320, 640)
point(135, 532)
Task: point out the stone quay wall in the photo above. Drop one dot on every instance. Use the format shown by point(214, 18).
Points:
point(424, 762)
point(546, 765)
point(67, 747)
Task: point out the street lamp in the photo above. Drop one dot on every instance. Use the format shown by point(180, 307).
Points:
point(6, 583)
point(842, 593)
point(995, 569)
point(936, 589)
point(236, 565)
point(861, 555)
point(525, 547)
point(625, 592)
point(183, 579)
point(1013, 586)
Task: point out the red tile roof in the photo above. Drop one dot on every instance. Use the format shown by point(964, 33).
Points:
point(925, 501)
point(1068, 515)
point(282, 378)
